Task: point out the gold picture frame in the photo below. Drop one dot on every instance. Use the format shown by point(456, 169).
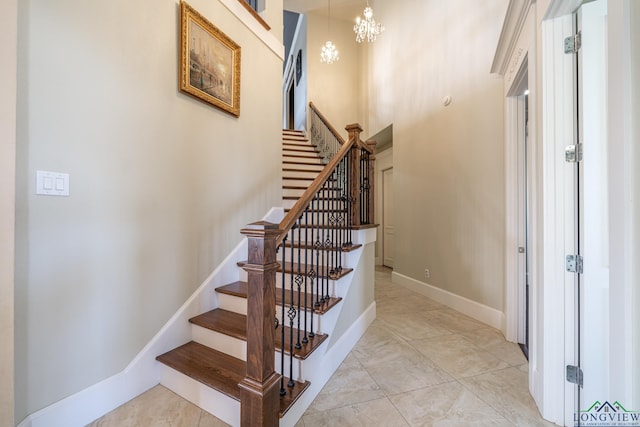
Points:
point(209, 62)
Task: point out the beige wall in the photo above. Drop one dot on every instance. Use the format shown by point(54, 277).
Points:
point(8, 23)
point(334, 88)
point(160, 183)
point(448, 161)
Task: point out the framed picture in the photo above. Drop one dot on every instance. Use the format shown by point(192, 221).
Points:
point(209, 62)
point(299, 67)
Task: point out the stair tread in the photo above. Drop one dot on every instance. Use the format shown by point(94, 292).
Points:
point(300, 269)
point(235, 325)
point(208, 366)
point(298, 142)
point(300, 148)
point(220, 371)
point(241, 289)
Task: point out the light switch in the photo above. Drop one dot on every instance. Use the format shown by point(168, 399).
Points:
point(47, 183)
point(52, 183)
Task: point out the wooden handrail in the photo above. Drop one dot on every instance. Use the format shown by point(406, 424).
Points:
point(290, 219)
point(327, 124)
point(255, 14)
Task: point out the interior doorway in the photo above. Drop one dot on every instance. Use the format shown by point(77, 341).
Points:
point(290, 106)
point(387, 217)
point(520, 97)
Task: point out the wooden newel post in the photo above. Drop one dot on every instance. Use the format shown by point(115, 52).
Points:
point(354, 160)
point(259, 391)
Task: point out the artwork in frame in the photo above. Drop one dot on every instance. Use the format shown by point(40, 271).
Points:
point(209, 62)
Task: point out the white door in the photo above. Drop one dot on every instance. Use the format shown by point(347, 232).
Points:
point(387, 217)
point(522, 125)
point(593, 396)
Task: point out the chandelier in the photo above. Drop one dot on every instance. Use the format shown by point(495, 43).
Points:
point(367, 28)
point(329, 52)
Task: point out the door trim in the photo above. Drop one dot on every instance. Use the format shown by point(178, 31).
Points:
point(384, 160)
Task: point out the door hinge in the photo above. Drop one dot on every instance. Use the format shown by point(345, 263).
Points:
point(574, 264)
point(573, 153)
point(573, 43)
point(574, 375)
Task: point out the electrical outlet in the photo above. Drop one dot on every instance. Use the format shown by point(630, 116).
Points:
point(426, 273)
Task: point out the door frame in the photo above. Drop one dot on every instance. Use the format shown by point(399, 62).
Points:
point(383, 216)
point(384, 160)
point(517, 128)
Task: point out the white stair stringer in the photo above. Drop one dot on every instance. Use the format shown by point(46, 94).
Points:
point(214, 402)
point(319, 366)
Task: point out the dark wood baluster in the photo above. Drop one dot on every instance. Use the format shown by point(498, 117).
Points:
point(312, 274)
point(349, 199)
point(292, 310)
point(283, 291)
point(305, 338)
point(325, 258)
point(341, 213)
point(299, 280)
point(334, 225)
point(318, 249)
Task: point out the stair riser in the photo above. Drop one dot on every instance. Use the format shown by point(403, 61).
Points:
point(295, 143)
point(290, 180)
point(297, 153)
point(299, 157)
point(219, 341)
point(239, 305)
point(293, 134)
point(212, 401)
point(310, 257)
point(294, 164)
point(298, 192)
point(324, 217)
point(334, 285)
point(293, 174)
point(238, 348)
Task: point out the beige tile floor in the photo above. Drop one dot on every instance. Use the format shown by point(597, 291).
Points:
point(419, 364)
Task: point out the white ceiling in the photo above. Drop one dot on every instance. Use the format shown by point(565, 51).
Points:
point(348, 10)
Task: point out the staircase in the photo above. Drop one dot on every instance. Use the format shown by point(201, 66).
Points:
point(301, 164)
point(211, 369)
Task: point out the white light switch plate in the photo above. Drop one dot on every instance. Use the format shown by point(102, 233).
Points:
point(52, 183)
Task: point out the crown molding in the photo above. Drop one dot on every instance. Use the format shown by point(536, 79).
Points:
point(514, 21)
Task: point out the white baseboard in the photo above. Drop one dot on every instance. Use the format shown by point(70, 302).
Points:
point(480, 312)
point(143, 372)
